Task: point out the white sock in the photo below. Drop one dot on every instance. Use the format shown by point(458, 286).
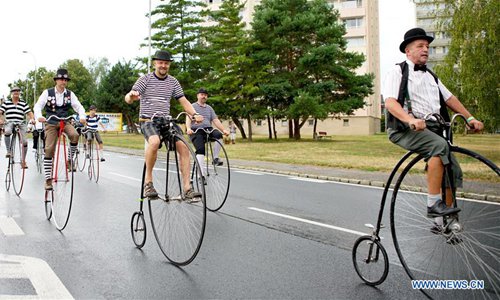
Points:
point(432, 199)
point(217, 148)
point(438, 221)
point(201, 161)
point(101, 153)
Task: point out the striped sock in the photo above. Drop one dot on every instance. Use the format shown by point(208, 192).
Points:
point(47, 166)
point(72, 151)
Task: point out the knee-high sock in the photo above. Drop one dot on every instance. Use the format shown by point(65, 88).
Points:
point(47, 166)
point(7, 142)
point(72, 151)
point(217, 148)
point(201, 161)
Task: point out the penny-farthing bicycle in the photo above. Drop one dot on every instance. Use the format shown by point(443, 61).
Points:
point(465, 249)
point(178, 223)
point(58, 201)
point(15, 171)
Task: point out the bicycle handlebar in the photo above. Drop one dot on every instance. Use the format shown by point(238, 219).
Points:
point(441, 120)
point(207, 131)
point(88, 129)
point(59, 118)
point(164, 116)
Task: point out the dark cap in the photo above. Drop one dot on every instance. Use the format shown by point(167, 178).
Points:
point(162, 55)
point(62, 74)
point(413, 35)
point(92, 107)
point(202, 91)
point(15, 88)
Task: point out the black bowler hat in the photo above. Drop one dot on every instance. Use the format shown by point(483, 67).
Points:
point(15, 88)
point(62, 74)
point(202, 91)
point(162, 55)
point(412, 35)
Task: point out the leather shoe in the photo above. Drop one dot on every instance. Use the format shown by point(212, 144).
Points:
point(48, 185)
point(440, 209)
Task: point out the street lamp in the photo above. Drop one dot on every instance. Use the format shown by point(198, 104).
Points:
point(149, 39)
point(34, 85)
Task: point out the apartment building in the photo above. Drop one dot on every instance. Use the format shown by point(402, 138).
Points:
point(362, 25)
point(426, 16)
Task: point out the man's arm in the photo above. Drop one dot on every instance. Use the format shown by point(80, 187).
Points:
point(455, 105)
point(219, 126)
point(189, 131)
point(188, 107)
point(398, 112)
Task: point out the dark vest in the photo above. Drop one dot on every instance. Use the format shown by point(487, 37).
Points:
point(52, 109)
point(395, 123)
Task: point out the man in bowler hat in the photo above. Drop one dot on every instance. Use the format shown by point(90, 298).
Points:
point(409, 128)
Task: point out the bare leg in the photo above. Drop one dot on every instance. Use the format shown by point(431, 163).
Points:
point(184, 163)
point(435, 171)
point(150, 156)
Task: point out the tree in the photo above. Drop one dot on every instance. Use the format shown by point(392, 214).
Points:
point(230, 72)
point(177, 30)
point(303, 41)
point(470, 68)
point(98, 69)
point(81, 83)
point(112, 89)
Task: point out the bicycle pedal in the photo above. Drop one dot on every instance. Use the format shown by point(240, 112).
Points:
point(369, 226)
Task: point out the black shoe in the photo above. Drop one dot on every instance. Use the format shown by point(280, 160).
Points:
point(218, 162)
point(440, 209)
point(149, 191)
point(102, 159)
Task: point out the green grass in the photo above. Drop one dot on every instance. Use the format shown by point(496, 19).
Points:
point(369, 153)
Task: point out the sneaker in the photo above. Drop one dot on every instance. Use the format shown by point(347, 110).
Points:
point(192, 196)
point(48, 185)
point(440, 209)
point(102, 159)
point(9, 154)
point(218, 162)
point(24, 165)
point(149, 191)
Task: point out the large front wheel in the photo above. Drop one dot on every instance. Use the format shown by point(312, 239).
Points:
point(178, 222)
point(62, 182)
point(16, 167)
point(217, 177)
point(465, 249)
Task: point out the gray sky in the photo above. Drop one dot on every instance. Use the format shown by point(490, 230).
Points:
point(54, 31)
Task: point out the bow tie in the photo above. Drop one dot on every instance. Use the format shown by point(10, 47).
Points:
point(420, 68)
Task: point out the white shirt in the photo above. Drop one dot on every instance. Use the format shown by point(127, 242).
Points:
point(42, 101)
point(422, 89)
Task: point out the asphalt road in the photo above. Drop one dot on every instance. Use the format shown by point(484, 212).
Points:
point(277, 237)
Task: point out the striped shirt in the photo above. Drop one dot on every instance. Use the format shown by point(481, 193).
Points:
point(422, 89)
point(208, 114)
point(156, 94)
point(92, 122)
point(15, 112)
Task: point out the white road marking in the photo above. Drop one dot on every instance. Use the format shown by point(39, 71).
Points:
point(9, 227)
point(127, 177)
point(308, 221)
point(250, 172)
point(45, 282)
point(308, 179)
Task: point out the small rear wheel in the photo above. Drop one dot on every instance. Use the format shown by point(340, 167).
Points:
point(370, 260)
point(48, 204)
point(138, 229)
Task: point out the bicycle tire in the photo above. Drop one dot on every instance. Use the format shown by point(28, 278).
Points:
point(138, 229)
point(90, 154)
point(467, 247)
point(39, 154)
point(63, 183)
point(178, 226)
point(16, 171)
point(7, 177)
point(370, 266)
point(218, 178)
point(96, 161)
point(48, 204)
point(82, 153)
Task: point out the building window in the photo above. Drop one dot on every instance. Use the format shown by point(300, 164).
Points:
point(425, 22)
point(357, 41)
point(259, 122)
point(310, 122)
point(346, 122)
point(353, 23)
point(351, 3)
point(432, 50)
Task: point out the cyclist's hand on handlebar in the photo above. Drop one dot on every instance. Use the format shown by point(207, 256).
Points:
point(417, 124)
point(225, 132)
point(42, 120)
point(189, 131)
point(83, 121)
point(2, 122)
point(198, 118)
point(476, 125)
